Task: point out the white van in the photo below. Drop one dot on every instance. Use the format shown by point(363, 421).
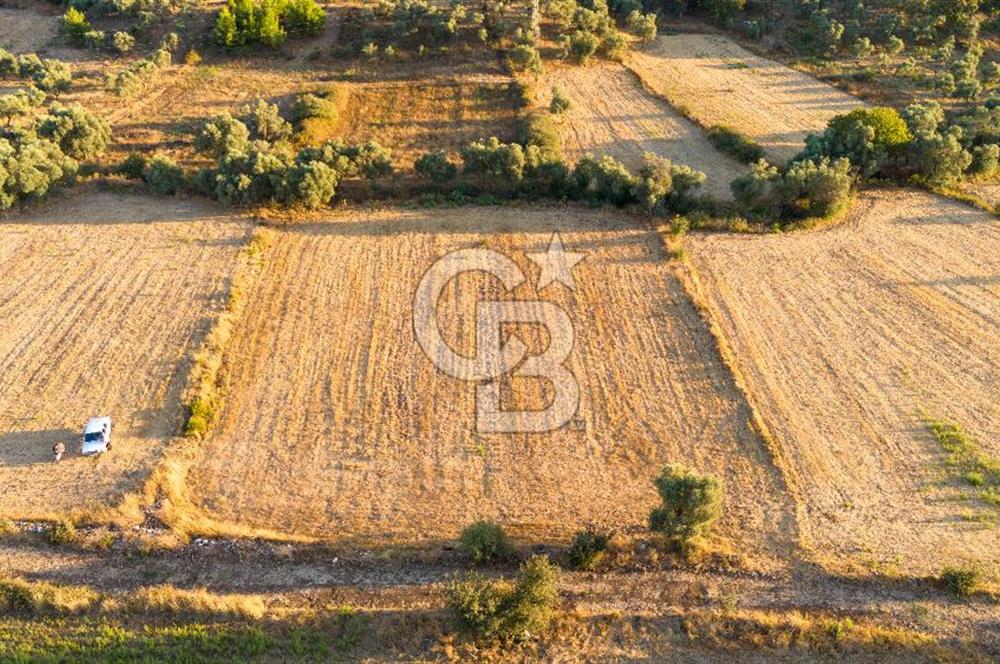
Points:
point(96, 436)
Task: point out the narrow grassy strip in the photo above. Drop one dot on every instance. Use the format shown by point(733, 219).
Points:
point(967, 459)
point(736, 144)
point(207, 398)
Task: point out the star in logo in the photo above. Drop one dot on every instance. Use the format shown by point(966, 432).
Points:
point(556, 263)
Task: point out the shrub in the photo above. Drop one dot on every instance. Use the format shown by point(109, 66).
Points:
point(371, 160)
point(985, 160)
point(61, 533)
point(264, 122)
point(436, 167)
point(962, 581)
point(191, 58)
point(123, 42)
point(722, 10)
point(250, 178)
point(938, 158)
point(310, 185)
point(491, 160)
point(134, 166)
point(753, 189)
point(524, 57)
point(814, 188)
point(604, 180)
point(734, 143)
point(20, 103)
point(868, 137)
point(226, 33)
point(74, 25)
point(30, 167)
point(862, 47)
point(894, 45)
point(538, 129)
point(582, 45)
point(303, 17)
point(222, 135)
point(164, 176)
point(78, 132)
point(309, 106)
point(94, 40)
point(560, 102)
point(642, 25)
point(133, 79)
point(500, 609)
point(690, 503)
point(588, 549)
point(486, 542)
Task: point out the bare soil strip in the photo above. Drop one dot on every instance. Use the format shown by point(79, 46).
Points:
point(103, 297)
point(337, 426)
point(844, 338)
point(719, 82)
point(25, 30)
point(611, 113)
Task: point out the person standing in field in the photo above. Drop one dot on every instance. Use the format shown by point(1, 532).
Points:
point(58, 450)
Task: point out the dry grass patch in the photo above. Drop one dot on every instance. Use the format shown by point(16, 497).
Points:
point(610, 113)
point(843, 337)
point(337, 426)
point(717, 82)
point(104, 297)
point(26, 30)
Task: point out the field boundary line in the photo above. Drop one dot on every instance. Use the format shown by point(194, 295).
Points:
point(691, 282)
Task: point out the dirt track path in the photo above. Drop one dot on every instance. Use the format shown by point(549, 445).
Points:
point(844, 337)
point(337, 426)
point(103, 297)
point(720, 82)
point(612, 114)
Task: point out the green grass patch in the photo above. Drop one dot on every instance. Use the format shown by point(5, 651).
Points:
point(969, 463)
point(737, 145)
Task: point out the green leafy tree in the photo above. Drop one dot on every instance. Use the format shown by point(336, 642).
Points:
point(74, 25)
point(436, 167)
point(690, 504)
point(226, 33)
point(486, 542)
point(77, 131)
point(222, 135)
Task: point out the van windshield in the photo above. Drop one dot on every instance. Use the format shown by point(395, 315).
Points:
point(92, 436)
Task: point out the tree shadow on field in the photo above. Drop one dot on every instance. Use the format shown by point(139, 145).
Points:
point(26, 448)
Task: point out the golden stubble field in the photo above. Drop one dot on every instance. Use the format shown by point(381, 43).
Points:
point(337, 426)
point(610, 113)
point(847, 338)
point(103, 299)
point(720, 82)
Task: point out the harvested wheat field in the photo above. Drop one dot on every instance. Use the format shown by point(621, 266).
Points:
point(337, 426)
point(103, 299)
point(720, 83)
point(610, 113)
point(847, 339)
point(26, 30)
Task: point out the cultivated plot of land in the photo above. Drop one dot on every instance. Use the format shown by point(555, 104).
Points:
point(719, 82)
point(25, 30)
point(103, 298)
point(336, 425)
point(844, 336)
point(611, 113)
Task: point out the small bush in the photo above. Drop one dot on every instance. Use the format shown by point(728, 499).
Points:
point(493, 161)
point(642, 25)
point(588, 549)
point(815, 188)
point(222, 135)
point(192, 58)
point(985, 160)
point(690, 504)
point(582, 45)
point(164, 176)
point(74, 25)
point(736, 144)
point(499, 609)
point(61, 533)
point(436, 167)
point(962, 581)
point(310, 185)
point(560, 102)
point(604, 180)
point(122, 42)
point(524, 57)
point(264, 122)
point(134, 166)
point(486, 542)
point(303, 17)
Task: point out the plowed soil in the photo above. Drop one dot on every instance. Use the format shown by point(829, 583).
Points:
point(719, 82)
point(847, 339)
point(610, 113)
point(103, 298)
point(337, 425)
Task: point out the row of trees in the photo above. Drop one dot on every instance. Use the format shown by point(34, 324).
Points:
point(523, 607)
